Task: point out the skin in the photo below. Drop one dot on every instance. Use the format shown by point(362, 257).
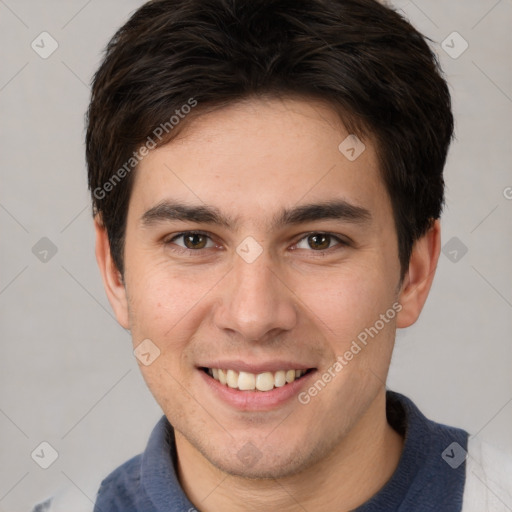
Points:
point(294, 302)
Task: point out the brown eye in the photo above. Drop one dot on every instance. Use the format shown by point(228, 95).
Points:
point(191, 240)
point(319, 241)
point(195, 241)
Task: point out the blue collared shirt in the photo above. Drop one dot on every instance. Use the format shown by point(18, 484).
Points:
point(430, 475)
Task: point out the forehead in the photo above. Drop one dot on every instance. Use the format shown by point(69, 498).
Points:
point(253, 160)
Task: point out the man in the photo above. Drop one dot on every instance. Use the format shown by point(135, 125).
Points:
point(267, 181)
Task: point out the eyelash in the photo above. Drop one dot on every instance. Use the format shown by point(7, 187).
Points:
point(182, 250)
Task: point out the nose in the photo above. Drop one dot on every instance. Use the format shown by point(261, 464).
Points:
point(256, 303)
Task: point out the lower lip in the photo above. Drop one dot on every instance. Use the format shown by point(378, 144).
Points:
point(256, 400)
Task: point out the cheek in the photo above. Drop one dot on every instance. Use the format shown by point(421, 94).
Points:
point(166, 304)
point(346, 299)
point(163, 309)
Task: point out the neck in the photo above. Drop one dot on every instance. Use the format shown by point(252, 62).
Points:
point(355, 470)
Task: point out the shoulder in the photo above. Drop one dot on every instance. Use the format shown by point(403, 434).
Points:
point(488, 479)
point(119, 490)
point(145, 482)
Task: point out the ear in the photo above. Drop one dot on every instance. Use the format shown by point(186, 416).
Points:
point(418, 279)
point(112, 279)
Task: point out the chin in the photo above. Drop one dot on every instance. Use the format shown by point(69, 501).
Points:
point(280, 457)
point(265, 468)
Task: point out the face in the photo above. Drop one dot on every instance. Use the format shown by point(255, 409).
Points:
point(258, 252)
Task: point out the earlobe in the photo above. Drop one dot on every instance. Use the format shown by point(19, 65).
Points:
point(112, 279)
point(420, 275)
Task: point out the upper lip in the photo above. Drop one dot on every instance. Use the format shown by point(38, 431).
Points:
point(261, 367)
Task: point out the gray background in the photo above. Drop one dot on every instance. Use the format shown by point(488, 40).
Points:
point(67, 372)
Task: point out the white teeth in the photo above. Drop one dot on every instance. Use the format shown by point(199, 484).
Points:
point(246, 381)
point(280, 379)
point(232, 378)
point(264, 381)
point(222, 376)
point(290, 375)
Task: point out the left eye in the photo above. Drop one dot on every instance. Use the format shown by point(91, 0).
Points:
point(319, 241)
point(193, 240)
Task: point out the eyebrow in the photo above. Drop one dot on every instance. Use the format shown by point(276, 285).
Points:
point(339, 209)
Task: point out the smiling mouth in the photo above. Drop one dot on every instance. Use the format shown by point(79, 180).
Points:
point(265, 381)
